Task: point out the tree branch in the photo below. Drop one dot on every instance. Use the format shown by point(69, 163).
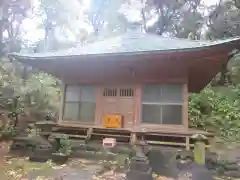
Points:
point(237, 4)
point(161, 22)
point(143, 16)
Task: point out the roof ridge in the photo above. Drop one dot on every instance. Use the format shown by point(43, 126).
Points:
point(130, 43)
point(129, 34)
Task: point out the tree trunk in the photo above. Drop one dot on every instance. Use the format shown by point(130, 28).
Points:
point(2, 22)
point(1, 40)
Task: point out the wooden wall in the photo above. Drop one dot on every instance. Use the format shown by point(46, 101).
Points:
point(137, 110)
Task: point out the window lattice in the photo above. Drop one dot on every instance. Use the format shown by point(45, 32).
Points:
point(110, 92)
point(162, 104)
point(127, 92)
point(80, 103)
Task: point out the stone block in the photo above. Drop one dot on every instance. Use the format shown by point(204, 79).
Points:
point(140, 165)
point(139, 175)
point(18, 145)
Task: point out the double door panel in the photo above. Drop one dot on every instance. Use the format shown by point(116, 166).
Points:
point(119, 100)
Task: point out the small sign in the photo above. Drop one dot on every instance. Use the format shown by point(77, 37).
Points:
point(109, 142)
point(112, 121)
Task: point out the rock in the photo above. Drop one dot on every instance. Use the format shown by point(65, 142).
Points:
point(185, 159)
point(185, 154)
point(38, 158)
point(220, 170)
point(156, 158)
point(139, 165)
point(238, 159)
point(233, 161)
point(233, 174)
point(138, 175)
point(211, 157)
point(160, 163)
point(184, 175)
point(200, 172)
point(231, 166)
point(184, 164)
point(211, 160)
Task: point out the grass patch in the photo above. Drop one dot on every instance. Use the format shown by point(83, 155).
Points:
point(19, 168)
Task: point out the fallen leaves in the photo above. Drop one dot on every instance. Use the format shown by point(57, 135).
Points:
point(20, 168)
point(17, 168)
point(110, 175)
point(163, 178)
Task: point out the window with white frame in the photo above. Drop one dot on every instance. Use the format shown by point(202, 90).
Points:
point(162, 104)
point(80, 103)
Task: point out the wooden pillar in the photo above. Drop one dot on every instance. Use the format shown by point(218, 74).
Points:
point(133, 139)
point(63, 92)
point(185, 106)
point(137, 109)
point(188, 143)
point(98, 110)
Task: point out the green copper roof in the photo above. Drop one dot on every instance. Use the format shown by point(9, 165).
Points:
point(131, 43)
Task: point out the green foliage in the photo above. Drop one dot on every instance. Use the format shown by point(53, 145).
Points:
point(65, 145)
point(39, 93)
point(178, 18)
point(216, 110)
point(8, 132)
point(223, 20)
point(11, 17)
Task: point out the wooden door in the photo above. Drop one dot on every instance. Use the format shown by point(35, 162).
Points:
point(119, 100)
point(126, 105)
point(110, 101)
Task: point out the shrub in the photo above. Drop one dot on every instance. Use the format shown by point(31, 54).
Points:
point(8, 132)
point(65, 145)
point(215, 111)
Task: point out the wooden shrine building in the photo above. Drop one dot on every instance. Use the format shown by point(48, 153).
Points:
point(135, 83)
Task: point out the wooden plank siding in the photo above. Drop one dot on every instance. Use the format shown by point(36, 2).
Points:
point(98, 121)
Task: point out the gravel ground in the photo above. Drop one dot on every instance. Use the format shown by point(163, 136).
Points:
point(15, 168)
